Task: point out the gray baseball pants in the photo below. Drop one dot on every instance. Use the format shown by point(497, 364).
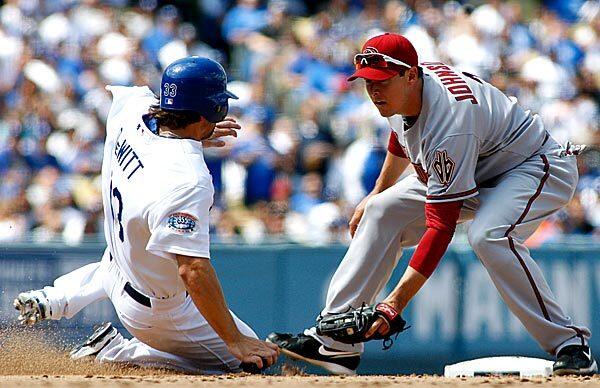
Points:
point(504, 214)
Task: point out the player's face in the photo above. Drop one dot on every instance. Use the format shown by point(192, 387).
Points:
point(205, 129)
point(391, 96)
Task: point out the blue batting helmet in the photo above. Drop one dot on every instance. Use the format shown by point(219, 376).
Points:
point(196, 84)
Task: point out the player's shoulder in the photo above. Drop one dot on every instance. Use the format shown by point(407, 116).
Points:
point(120, 92)
point(460, 89)
point(129, 99)
point(172, 187)
point(182, 163)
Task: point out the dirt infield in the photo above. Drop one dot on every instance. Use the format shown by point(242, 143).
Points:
point(287, 381)
point(27, 361)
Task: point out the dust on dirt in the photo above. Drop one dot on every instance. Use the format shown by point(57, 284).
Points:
point(29, 357)
point(133, 381)
point(30, 351)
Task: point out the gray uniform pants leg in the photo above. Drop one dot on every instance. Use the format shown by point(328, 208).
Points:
point(526, 195)
point(508, 214)
point(392, 220)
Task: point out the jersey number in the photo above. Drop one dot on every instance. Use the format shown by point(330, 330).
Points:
point(117, 194)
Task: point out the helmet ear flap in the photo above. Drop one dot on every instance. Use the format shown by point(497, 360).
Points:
point(214, 110)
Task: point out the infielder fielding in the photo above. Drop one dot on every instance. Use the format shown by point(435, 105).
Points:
point(157, 192)
point(478, 156)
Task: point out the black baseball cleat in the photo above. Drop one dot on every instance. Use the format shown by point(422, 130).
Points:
point(96, 342)
point(575, 360)
point(306, 348)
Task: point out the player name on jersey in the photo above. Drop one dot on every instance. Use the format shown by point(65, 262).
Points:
point(125, 156)
point(453, 82)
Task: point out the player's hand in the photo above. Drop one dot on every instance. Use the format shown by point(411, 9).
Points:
point(254, 351)
point(379, 326)
point(227, 127)
point(358, 213)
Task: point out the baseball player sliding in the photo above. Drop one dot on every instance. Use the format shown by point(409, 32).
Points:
point(478, 156)
point(157, 192)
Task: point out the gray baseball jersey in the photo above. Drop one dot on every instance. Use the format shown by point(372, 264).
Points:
point(473, 143)
point(467, 133)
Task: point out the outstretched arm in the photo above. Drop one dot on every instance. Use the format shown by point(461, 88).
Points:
point(441, 219)
point(204, 288)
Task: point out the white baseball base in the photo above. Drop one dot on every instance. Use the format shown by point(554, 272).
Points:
point(508, 365)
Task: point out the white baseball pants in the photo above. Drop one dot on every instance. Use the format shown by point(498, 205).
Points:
point(170, 334)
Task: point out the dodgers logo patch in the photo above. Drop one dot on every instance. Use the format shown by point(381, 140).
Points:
point(182, 222)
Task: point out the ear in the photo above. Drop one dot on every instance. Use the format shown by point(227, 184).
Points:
point(413, 74)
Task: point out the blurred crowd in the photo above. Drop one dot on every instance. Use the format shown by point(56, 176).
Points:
point(312, 144)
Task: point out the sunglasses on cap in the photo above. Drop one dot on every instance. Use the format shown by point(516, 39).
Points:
point(376, 60)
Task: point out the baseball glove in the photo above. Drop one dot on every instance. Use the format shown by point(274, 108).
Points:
point(350, 327)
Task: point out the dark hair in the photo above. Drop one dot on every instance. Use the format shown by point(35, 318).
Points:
point(401, 70)
point(173, 119)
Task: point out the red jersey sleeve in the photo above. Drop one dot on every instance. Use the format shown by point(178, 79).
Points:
point(440, 219)
point(394, 146)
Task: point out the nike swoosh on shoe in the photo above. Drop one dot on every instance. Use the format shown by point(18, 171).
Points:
point(329, 353)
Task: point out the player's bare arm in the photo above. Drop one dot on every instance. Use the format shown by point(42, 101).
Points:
point(408, 286)
point(205, 290)
point(392, 168)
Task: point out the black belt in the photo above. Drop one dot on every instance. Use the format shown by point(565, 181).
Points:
point(136, 295)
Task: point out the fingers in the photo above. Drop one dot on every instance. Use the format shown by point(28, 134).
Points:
point(374, 328)
point(379, 326)
point(213, 143)
point(353, 229)
point(229, 118)
point(353, 224)
point(355, 220)
point(256, 360)
point(272, 359)
point(254, 351)
point(263, 359)
point(220, 132)
point(384, 327)
point(273, 346)
point(228, 123)
point(271, 353)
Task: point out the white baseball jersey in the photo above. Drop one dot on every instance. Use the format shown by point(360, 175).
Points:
point(159, 192)
point(467, 133)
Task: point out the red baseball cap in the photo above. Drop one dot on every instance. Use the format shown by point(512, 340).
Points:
point(391, 45)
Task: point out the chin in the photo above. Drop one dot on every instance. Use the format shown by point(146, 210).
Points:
point(385, 112)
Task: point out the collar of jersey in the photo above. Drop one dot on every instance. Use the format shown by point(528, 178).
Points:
point(426, 102)
point(191, 146)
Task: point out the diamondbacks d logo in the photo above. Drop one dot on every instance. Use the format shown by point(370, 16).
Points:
point(443, 166)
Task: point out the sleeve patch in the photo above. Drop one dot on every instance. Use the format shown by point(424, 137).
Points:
point(181, 223)
point(443, 166)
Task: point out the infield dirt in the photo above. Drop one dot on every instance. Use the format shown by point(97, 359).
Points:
point(28, 361)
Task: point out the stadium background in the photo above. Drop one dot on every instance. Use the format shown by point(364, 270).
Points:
point(311, 146)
